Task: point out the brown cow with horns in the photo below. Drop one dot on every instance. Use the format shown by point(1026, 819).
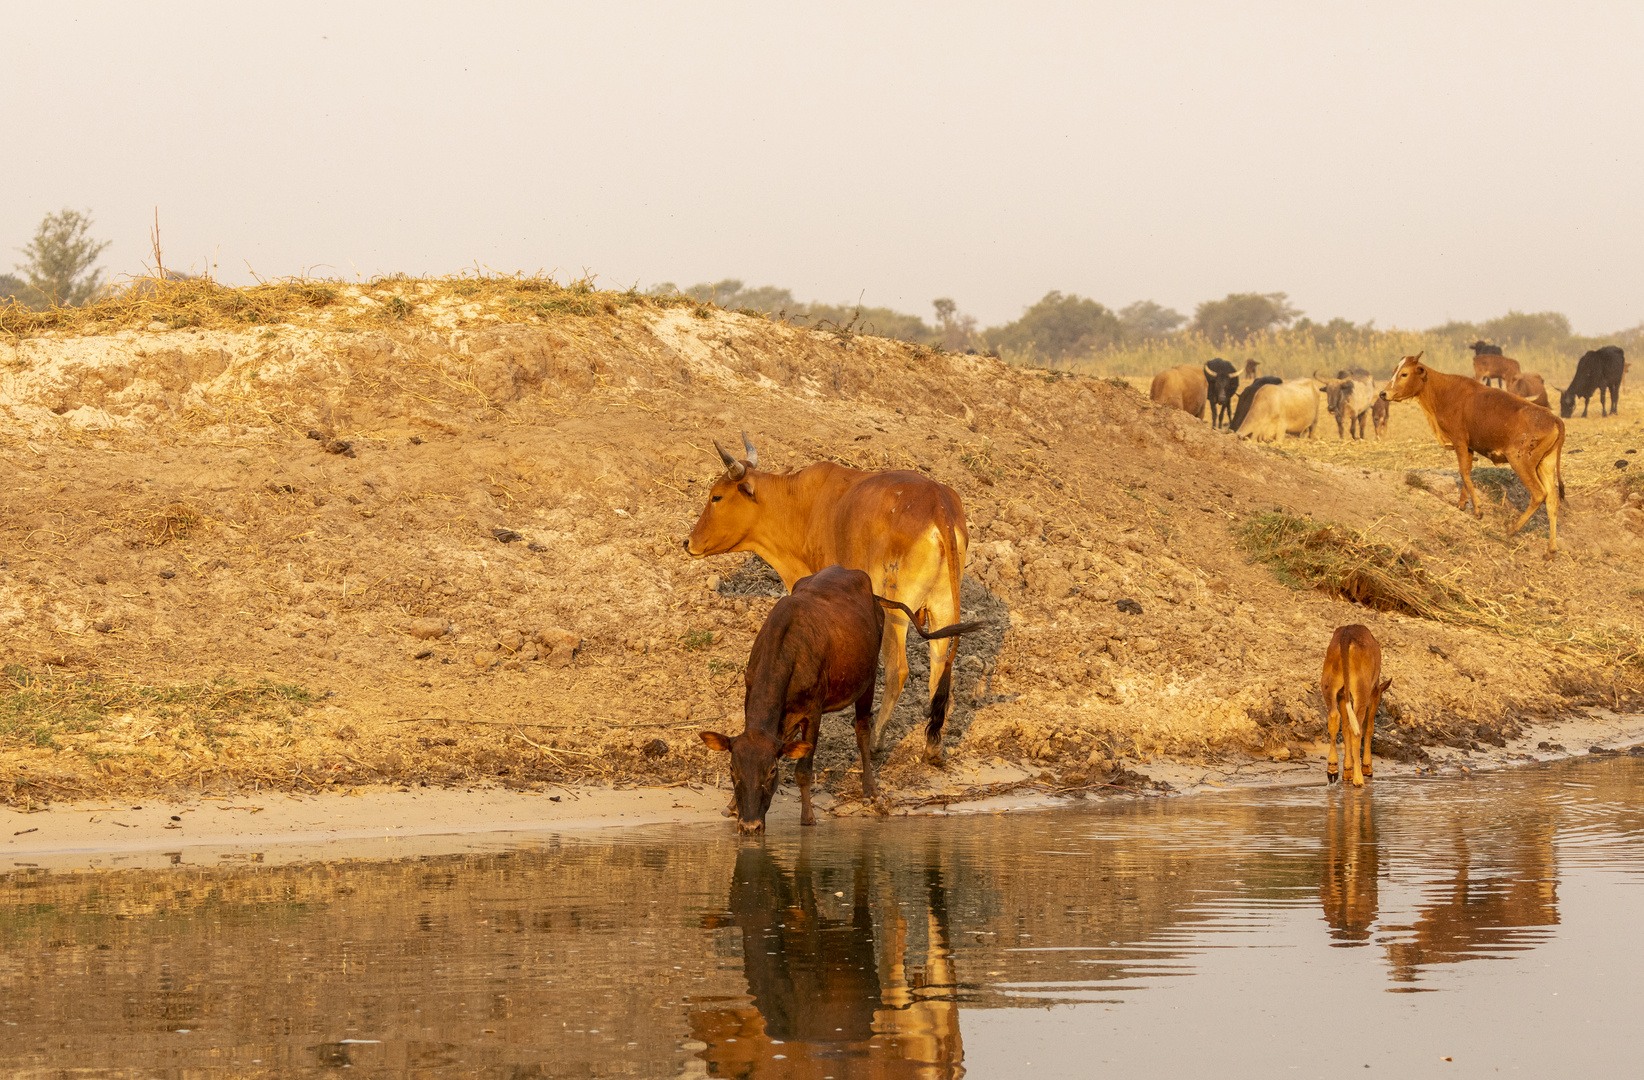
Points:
point(1471, 418)
point(904, 530)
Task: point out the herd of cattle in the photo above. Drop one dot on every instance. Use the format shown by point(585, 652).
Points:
point(867, 554)
point(1269, 408)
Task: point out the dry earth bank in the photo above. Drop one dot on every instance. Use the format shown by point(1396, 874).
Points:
point(441, 546)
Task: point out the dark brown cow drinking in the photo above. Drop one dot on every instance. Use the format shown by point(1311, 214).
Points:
point(817, 652)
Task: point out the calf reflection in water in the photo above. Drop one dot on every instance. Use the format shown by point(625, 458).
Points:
point(1499, 895)
point(830, 998)
point(1352, 868)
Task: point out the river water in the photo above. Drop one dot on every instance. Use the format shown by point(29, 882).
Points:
point(1444, 927)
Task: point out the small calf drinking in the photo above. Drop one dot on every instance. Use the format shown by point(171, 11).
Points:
point(1352, 692)
point(818, 651)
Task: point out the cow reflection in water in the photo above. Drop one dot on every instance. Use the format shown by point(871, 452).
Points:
point(1497, 897)
point(828, 999)
point(1488, 899)
point(1352, 868)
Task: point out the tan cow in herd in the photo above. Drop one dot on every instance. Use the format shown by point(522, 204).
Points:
point(1471, 418)
point(1182, 387)
point(905, 530)
point(1352, 692)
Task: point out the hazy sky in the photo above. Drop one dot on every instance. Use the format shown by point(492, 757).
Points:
point(1406, 162)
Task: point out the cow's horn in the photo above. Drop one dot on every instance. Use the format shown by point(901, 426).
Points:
point(753, 455)
point(733, 468)
point(1207, 370)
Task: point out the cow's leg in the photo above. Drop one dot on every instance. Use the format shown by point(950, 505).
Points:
point(1352, 736)
point(864, 742)
point(1332, 722)
point(893, 656)
point(1528, 476)
point(810, 727)
point(944, 611)
point(1367, 724)
point(1464, 462)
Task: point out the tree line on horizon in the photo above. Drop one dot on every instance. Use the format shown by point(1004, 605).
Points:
point(1064, 327)
point(59, 268)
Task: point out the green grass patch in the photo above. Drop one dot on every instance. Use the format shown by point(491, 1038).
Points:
point(696, 640)
point(38, 709)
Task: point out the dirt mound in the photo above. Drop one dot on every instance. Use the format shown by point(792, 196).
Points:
point(472, 570)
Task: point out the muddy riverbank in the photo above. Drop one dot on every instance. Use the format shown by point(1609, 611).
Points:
point(333, 550)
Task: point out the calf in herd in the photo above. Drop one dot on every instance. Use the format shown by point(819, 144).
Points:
point(1249, 394)
point(1598, 370)
point(1352, 688)
point(1471, 418)
point(817, 652)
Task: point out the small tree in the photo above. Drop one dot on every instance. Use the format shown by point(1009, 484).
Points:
point(14, 288)
point(1241, 315)
point(1149, 319)
point(1059, 327)
point(958, 330)
point(58, 261)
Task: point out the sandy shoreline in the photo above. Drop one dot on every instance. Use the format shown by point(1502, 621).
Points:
point(281, 827)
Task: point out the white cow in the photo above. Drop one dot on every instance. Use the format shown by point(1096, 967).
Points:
point(1286, 409)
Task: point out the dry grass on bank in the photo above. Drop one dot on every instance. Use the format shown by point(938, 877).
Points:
point(201, 303)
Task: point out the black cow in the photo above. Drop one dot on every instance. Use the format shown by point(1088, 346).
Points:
point(1248, 395)
point(1600, 370)
point(1481, 349)
point(1223, 382)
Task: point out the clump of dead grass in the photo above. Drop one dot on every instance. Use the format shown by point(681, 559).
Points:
point(1307, 554)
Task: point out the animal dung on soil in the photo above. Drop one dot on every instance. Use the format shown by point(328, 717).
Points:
point(1128, 606)
point(168, 574)
point(507, 536)
point(654, 749)
point(1621, 463)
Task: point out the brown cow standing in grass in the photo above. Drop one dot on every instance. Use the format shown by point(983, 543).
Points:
point(1503, 369)
point(817, 652)
point(1182, 387)
point(1488, 363)
point(1530, 387)
point(1352, 692)
point(905, 530)
point(1470, 418)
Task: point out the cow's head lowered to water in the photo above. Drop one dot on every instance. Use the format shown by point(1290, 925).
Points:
point(754, 761)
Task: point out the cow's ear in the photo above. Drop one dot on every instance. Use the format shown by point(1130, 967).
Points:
point(797, 749)
point(747, 488)
point(1382, 689)
point(716, 741)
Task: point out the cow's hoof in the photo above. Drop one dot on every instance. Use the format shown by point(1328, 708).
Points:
point(1331, 778)
point(935, 760)
point(807, 820)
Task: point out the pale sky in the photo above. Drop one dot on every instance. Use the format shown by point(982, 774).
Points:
point(1403, 162)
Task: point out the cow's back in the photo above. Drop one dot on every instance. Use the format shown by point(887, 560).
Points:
point(819, 638)
point(1494, 417)
point(878, 521)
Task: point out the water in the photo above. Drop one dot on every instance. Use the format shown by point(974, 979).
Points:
point(1437, 927)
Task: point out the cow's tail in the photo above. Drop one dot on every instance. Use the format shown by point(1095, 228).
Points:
point(1558, 464)
point(917, 621)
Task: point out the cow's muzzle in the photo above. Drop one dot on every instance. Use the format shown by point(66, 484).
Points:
point(750, 828)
